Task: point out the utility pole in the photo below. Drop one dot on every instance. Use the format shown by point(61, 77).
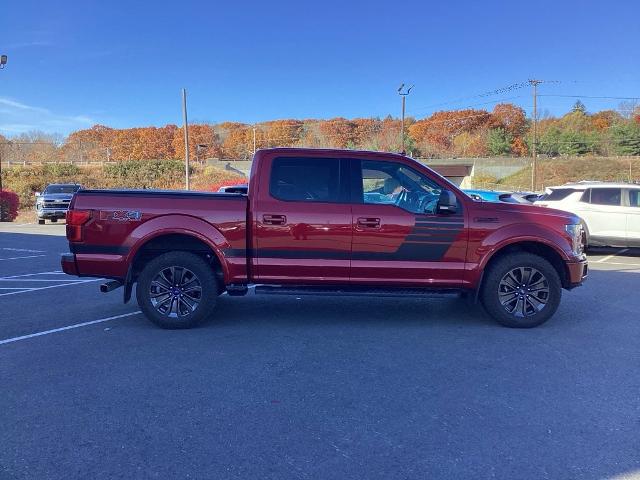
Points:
point(186, 138)
point(403, 94)
point(534, 146)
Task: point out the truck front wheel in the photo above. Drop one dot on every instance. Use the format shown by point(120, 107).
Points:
point(521, 290)
point(177, 290)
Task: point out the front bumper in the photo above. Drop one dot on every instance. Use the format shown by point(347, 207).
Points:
point(578, 271)
point(47, 213)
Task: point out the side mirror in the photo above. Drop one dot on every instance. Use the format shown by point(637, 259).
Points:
point(447, 203)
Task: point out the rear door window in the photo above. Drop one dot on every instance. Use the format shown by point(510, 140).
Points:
point(306, 179)
point(634, 198)
point(606, 196)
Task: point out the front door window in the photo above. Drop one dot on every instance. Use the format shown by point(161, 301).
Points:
point(386, 183)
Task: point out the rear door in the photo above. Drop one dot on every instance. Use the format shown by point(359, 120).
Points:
point(302, 222)
point(606, 219)
point(398, 238)
point(633, 217)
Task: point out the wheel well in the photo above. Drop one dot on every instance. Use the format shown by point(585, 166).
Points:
point(539, 249)
point(174, 242)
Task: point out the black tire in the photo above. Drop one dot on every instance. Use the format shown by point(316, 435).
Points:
point(41, 221)
point(534, 303)
point(181, 268)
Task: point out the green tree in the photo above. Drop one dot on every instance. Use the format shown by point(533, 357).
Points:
point(499, 141)
point(577, 143)
point(579, 107)
point(549, 142)
point(626, 138)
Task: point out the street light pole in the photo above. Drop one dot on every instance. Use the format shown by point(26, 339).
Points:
point(534, 146)
point(186, 138)
point(254, 139)
point(403, 94)
point(3, 62)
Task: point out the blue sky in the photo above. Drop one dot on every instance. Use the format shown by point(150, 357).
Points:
point(122, 64)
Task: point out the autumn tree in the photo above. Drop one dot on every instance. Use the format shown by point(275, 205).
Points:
point(510, 118)
point(436, 133)
point(204, 142)
point(279, 133)
point(337, 133)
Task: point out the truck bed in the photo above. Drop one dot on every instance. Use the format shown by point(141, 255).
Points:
point(122, 221)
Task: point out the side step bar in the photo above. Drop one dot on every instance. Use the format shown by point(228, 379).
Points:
point(349, 291)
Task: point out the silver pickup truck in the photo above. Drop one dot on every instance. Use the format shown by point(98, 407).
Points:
point(53, 202)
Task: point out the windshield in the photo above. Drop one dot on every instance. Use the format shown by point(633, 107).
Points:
point(62, 189)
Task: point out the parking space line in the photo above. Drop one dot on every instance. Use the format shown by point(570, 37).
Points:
point(22, 250)
point(53, 272)
point(621, 263)
point(50, 286)
point(15, 288)
point(68, 327)
point(609, 257)
point(40, 280)
point(19, 258)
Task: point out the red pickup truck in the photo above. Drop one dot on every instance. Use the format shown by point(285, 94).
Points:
point(325, 222)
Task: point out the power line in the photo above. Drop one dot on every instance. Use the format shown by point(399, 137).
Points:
point(591, 96)
point(497, 91)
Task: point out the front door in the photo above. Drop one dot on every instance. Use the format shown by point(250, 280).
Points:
point(302, 223)
point(398, 237)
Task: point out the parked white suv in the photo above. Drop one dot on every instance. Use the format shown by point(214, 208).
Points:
point(610, 211)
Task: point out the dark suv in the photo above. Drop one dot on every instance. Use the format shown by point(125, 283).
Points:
point(53, 203)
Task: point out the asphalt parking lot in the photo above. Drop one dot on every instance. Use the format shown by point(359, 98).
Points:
point(312, 388)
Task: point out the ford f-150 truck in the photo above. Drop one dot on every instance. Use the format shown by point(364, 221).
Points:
point(325, 222)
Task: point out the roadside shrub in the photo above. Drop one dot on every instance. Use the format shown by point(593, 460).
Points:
point(9, 204)
point(61, 170)
point(145, 174)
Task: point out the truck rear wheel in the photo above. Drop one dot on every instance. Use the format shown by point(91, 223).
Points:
point(521, 290)
point(177, 290)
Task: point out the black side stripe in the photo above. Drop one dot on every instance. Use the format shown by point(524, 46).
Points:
point(98, 249)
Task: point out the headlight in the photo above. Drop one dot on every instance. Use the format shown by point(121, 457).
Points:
point(575, 232)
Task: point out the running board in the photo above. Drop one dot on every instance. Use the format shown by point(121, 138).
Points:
point(352, 291)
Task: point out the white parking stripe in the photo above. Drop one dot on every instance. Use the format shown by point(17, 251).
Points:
point(19, 258)
point(41, 280)
point(609, 257)
point(15, 288)
point(22, 250)
point(68, 327)
point(54, 272)
point(50, 286)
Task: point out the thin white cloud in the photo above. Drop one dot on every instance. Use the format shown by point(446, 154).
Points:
point(16, 46)
point(20, 117)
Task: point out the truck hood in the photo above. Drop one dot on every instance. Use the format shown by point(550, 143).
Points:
point(531, 211)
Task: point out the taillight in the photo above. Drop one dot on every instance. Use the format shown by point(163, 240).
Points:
point(75, 220)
